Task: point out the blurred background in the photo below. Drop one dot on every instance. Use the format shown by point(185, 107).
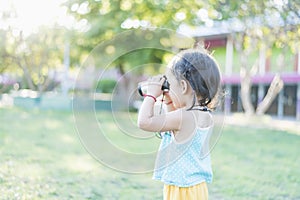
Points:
point(45, 43)
point(45, 47)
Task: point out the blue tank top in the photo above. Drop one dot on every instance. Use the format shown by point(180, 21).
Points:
point(184, 164)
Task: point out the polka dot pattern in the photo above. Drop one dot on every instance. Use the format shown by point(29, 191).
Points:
point(181, 164)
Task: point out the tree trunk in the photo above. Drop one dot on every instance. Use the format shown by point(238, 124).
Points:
point(275, 87)
point(27, 76)
point(246, 87)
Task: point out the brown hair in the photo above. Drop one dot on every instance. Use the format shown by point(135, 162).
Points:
point(202, 72)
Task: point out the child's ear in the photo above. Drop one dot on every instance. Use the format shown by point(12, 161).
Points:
point(184, 86)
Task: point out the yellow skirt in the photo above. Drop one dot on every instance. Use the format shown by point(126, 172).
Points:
point(196, 192)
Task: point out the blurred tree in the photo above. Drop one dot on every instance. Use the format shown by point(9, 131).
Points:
point(35, 57)
point(102, 20)
point(265, 25)
point(3, 63)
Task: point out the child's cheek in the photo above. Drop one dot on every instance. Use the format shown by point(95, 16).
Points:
point(171, 93)
point(174, 98)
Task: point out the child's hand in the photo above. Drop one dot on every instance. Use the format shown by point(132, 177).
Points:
point(154, 85)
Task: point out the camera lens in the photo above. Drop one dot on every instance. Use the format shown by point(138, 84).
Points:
point(142, 87)
point(165, 86)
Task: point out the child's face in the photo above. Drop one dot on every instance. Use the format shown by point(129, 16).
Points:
point(175, 89)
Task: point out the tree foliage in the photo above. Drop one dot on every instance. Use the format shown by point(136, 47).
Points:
point(255, 25)
point(35, 57)
point(265, 25)
point(102, 20)
point(261, 26)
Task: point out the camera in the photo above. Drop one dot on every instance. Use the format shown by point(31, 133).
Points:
point(143, 89)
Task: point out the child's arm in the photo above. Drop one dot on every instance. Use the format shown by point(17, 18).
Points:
point(147, 121)
point(146, 118)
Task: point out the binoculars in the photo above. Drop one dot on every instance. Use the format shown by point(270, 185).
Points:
point(165, 87)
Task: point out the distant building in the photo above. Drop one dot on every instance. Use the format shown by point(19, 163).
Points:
point(219, 39)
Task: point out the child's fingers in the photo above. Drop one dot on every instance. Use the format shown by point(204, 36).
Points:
point(162, 80)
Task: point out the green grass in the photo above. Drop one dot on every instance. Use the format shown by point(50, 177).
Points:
point(41, 157)
point(256, 164)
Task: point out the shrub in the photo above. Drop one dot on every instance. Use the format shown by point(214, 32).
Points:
point(106, 85)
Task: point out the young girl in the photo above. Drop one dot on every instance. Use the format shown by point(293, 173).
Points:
point(181, 165)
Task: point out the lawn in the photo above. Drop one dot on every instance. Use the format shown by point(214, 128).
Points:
point(42, 157)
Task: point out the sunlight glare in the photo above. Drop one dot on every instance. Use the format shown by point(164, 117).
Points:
point(31, 14)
